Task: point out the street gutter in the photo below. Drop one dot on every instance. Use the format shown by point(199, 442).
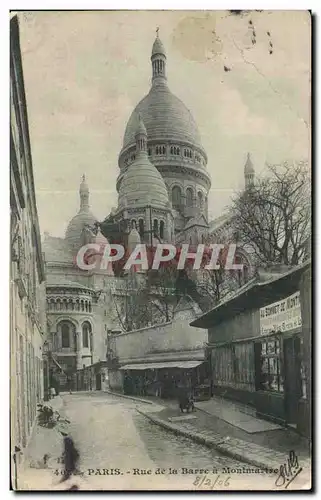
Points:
point(133, 398)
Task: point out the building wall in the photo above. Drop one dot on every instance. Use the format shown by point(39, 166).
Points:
point(173, 339)
point(242, 326)
point(27, 307)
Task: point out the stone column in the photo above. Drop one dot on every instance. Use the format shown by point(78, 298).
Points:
point(168, 229)
point(78, 350)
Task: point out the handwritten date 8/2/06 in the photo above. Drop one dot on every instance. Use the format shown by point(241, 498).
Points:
point(204, 482)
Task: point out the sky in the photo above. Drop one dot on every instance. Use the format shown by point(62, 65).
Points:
point(86, 71)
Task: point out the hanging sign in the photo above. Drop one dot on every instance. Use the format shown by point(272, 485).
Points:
point(283, 315)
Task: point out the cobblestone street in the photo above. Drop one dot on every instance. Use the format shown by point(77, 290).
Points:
point(110, 434)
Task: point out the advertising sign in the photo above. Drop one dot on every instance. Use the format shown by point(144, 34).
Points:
point(283, 315)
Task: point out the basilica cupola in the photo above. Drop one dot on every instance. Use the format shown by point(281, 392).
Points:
point(158, 59)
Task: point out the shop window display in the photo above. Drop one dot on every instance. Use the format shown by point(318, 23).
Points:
point(271, 377)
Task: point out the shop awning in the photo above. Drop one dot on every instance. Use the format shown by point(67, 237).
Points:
point(168, 364)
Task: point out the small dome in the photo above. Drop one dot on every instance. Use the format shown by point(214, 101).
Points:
point(142, 184)
point(77, 225)
point(248, 167)
point(158, 47)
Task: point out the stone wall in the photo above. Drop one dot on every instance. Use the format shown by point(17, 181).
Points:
point(175, 338)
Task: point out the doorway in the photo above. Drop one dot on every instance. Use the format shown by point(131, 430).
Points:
point(98, 382)
point(292, 378)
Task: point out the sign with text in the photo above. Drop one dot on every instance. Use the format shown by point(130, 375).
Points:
point(283, 315)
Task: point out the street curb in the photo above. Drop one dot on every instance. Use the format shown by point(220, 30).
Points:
point(133, 398)
point(218, 443)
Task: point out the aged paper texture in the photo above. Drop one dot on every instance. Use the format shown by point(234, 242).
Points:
point(160, 288)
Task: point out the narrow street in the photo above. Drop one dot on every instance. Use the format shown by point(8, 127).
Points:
point(118, 446)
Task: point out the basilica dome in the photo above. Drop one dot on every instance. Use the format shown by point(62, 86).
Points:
point(165, 116)
point(142, 184)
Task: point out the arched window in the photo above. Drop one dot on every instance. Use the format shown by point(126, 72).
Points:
point(82, 305)
point(164, 150)
point(77, 305)
point(176, 196)
point(156, 150)
point(155, 226)
point(149, 152)
point(189, 197)
point(141, 227)
point(89, 307)
point(64, 304)
point(161, 229)
point(65, 334)
point(86, 306)
point(86, 329)
point(200, 199)
point(172, 150)
point(178, 151)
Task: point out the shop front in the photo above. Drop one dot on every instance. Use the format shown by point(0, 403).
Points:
point(164, 379)
point(257, 350)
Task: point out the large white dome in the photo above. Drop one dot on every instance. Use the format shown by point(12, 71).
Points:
point(165, 117)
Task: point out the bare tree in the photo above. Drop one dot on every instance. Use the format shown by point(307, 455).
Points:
point(274, 215)
point(213, 285)
point(161, 292)
point(132, 308)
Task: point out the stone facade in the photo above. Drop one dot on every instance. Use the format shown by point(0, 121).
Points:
point(27, 287)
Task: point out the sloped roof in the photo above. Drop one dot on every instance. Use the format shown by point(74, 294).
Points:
point(257, 293)
point(199, 220)
point(59, 281)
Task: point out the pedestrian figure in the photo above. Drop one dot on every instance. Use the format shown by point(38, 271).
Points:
point(70, 457)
